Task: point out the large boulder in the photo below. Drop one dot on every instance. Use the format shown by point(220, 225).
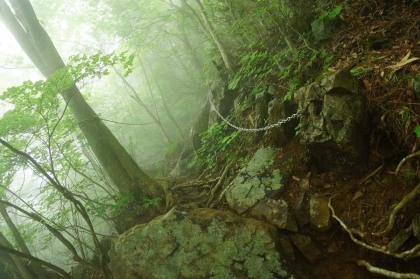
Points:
point(197, 243)
point(335, 128)
point(256, 181)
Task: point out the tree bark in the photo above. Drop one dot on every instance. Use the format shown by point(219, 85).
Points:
point(119, 165)
point(40, 272)
point(22, 268)
point(16, 253)
point(7, 264)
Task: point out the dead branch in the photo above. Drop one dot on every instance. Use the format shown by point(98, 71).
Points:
point(396, 209)
point(219, 183)
point(387, 273)
point(413, 253)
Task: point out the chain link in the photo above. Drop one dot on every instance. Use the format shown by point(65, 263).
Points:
point(281, 122)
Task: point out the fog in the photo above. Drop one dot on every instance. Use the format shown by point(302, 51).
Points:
point(150, 111)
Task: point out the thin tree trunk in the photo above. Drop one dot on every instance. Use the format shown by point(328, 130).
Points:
point(154, 102)
point(119, 165)
point(18, 255)
point(23, 269)
point(138, 100)
point(7, 264)
point(208, 29)
point(168, 112)
point(40, 272)
point(190, 50)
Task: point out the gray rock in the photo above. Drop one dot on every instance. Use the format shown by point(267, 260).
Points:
point(301, 208)
point(261, 112)
point(199, 243)
point(335, 128)
point(398, 241)
point(255, 182)
point(320, 217)
point(416, 226)
point(325, 28)
point(279, 110)
point(276, 212)
point(286, 246)
point(307, 247)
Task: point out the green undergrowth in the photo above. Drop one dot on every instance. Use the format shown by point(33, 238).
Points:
point(219, 144)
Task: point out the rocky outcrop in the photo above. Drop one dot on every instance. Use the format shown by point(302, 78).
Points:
point(278, 110)
point(255, 182)
point(197, 243)
point(335, 127)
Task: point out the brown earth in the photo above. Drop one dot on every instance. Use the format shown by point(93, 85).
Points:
point(376, 40)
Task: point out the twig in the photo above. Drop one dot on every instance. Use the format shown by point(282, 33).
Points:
point(387, 273)
point(413, 253)
point(405, 160)
point(219, 183)
point(371, 174)
point(396, 209)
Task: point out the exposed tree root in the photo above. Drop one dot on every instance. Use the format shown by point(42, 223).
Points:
point(387, 273)
point(219, 183)
point(413, 194)
point(193, 184)
point(404, 160)
point(413, 253)
point(220, 196)
point(371, 174)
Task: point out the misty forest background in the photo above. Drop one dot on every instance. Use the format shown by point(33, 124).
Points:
point(144, 68)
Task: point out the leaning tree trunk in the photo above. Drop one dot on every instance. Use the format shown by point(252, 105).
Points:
point(117, 163)
point(39, 270)
point(21, 267)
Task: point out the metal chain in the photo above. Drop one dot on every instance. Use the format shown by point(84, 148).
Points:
point(281, 122)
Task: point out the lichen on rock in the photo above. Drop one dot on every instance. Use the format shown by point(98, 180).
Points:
point(198, 243)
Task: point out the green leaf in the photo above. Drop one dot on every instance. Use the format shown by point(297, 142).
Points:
point(417, 131)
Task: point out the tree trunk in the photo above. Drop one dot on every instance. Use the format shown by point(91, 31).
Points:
point(40, 272)
point(22, 268)
point(136, 97)
point(121, 168)
point(208, 29)
point(8, 266)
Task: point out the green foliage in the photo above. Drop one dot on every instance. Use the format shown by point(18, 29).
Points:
point(292, 86)
point(409, 176)
point(332, 14)
point(121, 201)
point(255, 65)
point(417, 131)
point(298, 129)
point(40, 124)
point(327, 58)
point(216, 142)
point(361, 71)
point(405, 115)
point(151, 202)
point(83, 67)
